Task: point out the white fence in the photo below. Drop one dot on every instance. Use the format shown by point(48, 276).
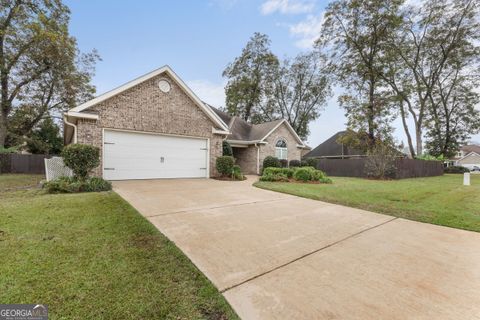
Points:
point(55, 168)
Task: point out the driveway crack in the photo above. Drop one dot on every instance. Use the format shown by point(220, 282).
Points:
point(217, 207)
point(307, 254)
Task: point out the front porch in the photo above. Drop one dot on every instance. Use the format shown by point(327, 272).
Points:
point(247, 158)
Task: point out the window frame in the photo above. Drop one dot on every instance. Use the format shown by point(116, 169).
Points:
point(281, 152)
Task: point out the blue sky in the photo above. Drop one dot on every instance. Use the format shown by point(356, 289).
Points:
point(197, 39)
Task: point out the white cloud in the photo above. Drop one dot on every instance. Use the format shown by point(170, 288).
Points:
point(307, 31)
point(211, 93)
point(286, 6)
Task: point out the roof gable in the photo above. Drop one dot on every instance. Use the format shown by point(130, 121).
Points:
point(240, 130)
point(276, 124)
point(468, 155)
point(76, 112)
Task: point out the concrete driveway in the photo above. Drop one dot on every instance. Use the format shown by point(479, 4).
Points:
point(277, 256)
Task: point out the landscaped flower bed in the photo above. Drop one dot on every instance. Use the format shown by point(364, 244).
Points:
point(296, 174)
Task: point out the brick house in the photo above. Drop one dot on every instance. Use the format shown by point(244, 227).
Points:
point(156, 127)
point(251, 143)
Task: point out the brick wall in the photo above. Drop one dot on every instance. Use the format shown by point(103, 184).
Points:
point(246, 158)
point(282, 132)
point(145, 108)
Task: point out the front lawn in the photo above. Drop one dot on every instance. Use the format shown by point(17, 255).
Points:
point(11, 182)
point(439, 200)
point(92, 256)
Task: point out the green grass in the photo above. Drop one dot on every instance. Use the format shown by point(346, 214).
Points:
point(92, 256)
point(439, 200)
point(10, 182)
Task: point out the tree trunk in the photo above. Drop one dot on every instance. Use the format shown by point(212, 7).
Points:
point(418, 133)
point(3, 130)
point(407, 132)
point(371, 113)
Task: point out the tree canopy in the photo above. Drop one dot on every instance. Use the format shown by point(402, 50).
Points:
point(262, 88)
point(42, 71)
point(417, 61)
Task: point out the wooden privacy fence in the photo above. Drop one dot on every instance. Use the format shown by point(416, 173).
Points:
point(22, 163)
point(406, 168)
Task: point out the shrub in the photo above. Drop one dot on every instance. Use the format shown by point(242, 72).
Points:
point(325, 180)
point(283, 163)
point(81, 158)
point(303, 174)
point(311, 162)
point(295, 163)
point(272, 171)
point(380, 163)
point(225, 165)
point(227, 149)
point(4, 150)
point(73, 185)
point(456, 169)
point(303, 163)
point(310, 174)
point(298, 173)
point(97, 184)
point(317, 175)
point(271, 162)
point(279, 177)
point(237, 173)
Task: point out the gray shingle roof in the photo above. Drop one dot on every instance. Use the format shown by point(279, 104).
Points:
point(331, 148)
point(471, 148)
point(244, 131)
point(223, 115)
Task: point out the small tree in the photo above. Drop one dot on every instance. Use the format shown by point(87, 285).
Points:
point(46, 139)
point(81, 158)
point(227, 149)
point(225, 165)
point(311, 162)
point(381, 161)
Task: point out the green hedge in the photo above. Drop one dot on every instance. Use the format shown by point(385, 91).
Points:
point(271, 162)
point(74, 185)
point(285, 171)
point(304, 174)
point(456, 169)
point(278, 177)
point(295, 163)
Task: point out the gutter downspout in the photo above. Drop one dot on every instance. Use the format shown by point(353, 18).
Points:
point(258, 158)
point(74, 128)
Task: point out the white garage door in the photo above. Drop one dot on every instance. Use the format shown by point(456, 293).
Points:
point(132, 155)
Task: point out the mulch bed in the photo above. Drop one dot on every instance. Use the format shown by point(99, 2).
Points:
point(227, 179)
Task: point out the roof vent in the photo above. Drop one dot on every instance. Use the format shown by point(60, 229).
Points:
point(164, 86)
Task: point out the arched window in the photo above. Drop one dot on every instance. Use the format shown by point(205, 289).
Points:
point(281, 149)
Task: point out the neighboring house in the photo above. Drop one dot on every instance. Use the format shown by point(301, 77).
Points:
point(156, 127)
point(251, 143)
point(332, 149)
point(468, 156)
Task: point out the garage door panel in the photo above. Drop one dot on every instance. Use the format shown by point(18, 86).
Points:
point(131, 155)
